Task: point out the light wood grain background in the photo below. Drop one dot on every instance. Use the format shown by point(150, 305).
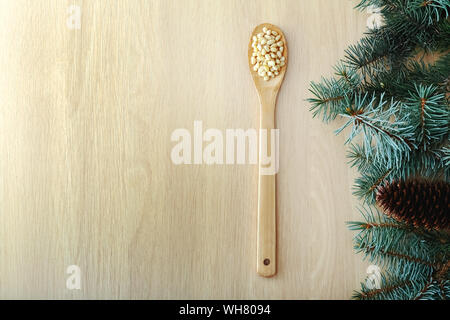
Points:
point(85, 171)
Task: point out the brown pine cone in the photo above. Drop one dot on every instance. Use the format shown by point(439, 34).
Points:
point(419, 203)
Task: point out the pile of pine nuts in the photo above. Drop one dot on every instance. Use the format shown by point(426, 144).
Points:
point(268, 54)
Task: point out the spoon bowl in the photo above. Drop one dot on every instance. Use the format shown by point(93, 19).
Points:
point(275, 83)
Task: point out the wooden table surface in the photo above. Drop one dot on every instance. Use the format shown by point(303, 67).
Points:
point(86, 178)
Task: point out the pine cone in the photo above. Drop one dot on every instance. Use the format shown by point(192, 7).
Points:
point(419, 203)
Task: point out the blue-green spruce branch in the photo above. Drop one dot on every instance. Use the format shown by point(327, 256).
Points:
point(391, 90)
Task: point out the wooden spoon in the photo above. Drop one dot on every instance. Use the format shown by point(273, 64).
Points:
point(268, 92)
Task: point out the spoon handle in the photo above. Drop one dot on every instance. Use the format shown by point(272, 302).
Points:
point(266, 234)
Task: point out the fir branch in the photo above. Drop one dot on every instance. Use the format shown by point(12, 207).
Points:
point(410, 252)
point(425, 290)
point(397, 110)
point(395, 255)
point(428, 11)
point(395, 288)
point(435, 290)
point(376, 173)
point(349, 77)
point(428, 114)
point(365, 186)
point(359, 158)
point(446, 157)
point(375, 220)
point(426, 74)
point(408, 75)
point(385, 133)
point(328, 97)
point(375, 294)
point(372, 54)
point(391, 288)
